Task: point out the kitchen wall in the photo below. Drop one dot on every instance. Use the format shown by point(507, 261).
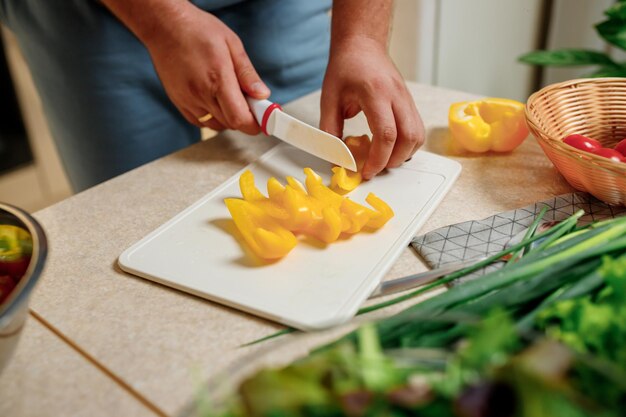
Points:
point(572, 27)
point(474, 45)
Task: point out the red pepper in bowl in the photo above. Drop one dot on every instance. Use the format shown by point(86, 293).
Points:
point(16, 247)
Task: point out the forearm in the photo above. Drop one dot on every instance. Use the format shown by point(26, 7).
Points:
point(365, 19)
point(149, 19)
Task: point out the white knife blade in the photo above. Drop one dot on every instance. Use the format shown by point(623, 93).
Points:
point(275, 122)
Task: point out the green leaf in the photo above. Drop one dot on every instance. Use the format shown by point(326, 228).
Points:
point(609, 72)
point(614, 32)
point(377, 370)
point(491, 341)
point(617, 11)
point(614, 272)
point(567, 57)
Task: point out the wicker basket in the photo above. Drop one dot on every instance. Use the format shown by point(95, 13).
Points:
point(594, 107)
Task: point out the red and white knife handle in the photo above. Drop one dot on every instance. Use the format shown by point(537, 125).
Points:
point(262, 110)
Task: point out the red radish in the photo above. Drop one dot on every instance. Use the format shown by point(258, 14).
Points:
point(611, 154)
point(582, 142)
point(621, 147)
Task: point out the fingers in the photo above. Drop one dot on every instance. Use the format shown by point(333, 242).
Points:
point(190, 117)
point(234, 106)
point(381, 121)
point(210, 105)
point(228, 102)
point(398, 131)
point(410, 132)
point(203, 68)
point(248, 79)
point(331, 117)
point(223, 99)
point(214, 125)
point(220, 93)
point(193, 114)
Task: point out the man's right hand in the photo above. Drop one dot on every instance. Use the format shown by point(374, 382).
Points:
point(200, 61)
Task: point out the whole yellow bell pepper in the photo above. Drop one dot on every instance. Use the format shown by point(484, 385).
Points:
point(492, 124)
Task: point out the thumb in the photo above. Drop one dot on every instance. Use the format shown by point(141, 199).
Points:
point(249, 80)
point(331, 116)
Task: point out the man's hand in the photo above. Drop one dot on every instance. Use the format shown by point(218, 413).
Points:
point(200, 61)
point(361, 77)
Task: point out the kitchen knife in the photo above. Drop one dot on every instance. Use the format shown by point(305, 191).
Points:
point(274, 121)
point(422, 278)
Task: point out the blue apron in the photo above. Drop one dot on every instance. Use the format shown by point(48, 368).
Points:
point(104, 103)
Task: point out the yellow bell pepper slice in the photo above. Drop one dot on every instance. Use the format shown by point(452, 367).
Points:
point(492, 124)
point(300, 208)
point(356, 214)
point(328, 228)
point(325, 195)
point(251, 193)
point(297, 204)
point(322, 222)
point(275, 190)
point(343, 181)
point(296, 184)
point(306, 214)
point(316, 188)
point(383, 212)
point(265, 236)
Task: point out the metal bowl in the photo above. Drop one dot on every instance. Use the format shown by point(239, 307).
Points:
point(14, 310)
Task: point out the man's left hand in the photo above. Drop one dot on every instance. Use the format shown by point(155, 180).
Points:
point(361, 77)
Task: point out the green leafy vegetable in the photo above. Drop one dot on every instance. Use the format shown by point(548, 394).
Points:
point(612, 30)
point(567, 57)
point(594, 324)
point(542, 336)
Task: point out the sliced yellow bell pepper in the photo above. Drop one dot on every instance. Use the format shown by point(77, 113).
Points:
point(328, 228)
point(316, 188)
point(356, 215)
point(305, 214)
point(325, 195)
point(297, 204)
point(343, 180)
point(265, 236)
point(383, 212)
point(268, 223)
point(301, 208)
point(251, 193)
point(492, 124)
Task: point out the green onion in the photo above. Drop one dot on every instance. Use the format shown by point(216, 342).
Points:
point(529, 233)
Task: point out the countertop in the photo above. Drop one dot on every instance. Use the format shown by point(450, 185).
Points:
point(99, 341)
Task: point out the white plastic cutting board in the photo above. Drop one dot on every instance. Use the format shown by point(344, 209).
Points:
point(313, 287)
